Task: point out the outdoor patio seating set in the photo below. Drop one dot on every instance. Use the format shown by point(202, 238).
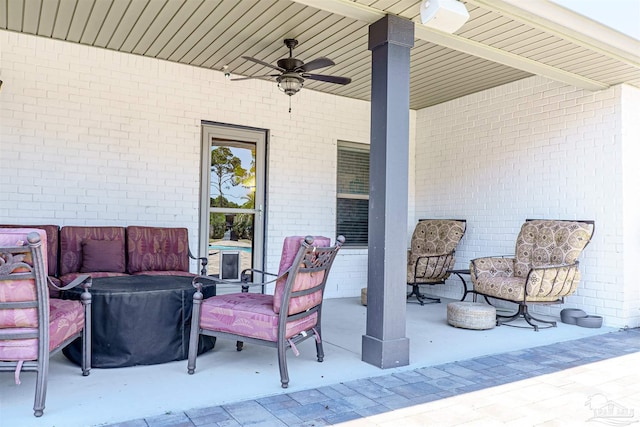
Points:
point(140, 261)
point(36, 323)
point(543, 270)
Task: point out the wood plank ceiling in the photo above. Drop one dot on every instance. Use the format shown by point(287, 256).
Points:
point(217, 33)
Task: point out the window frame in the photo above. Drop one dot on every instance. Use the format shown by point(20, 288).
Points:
point(363, 148)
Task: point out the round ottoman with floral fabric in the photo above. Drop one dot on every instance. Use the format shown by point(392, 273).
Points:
point(471, 315)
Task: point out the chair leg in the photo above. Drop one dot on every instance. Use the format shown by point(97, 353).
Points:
point(319, 349)
point(282, 362)
point(86, 350)
point(194, 334)
point(41, 386)
point(415, 291)
point(86, 333)
point(523, 312)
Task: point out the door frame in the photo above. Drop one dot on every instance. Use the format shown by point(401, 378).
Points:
point(257, 136)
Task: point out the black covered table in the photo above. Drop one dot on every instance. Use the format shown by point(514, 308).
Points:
point(139, 320)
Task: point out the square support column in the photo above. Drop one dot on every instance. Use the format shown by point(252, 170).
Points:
point(385, 344)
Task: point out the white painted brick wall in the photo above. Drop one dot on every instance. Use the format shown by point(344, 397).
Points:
point(95, 137)
point(537, 149)
point(101, 138)
point(630, 137)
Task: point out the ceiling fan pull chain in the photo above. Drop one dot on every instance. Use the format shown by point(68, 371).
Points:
point(289, 105)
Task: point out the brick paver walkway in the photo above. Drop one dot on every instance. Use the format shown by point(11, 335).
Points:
point(576, 382)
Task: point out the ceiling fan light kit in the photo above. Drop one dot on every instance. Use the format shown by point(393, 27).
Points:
point(293, 71)
point(290, 83)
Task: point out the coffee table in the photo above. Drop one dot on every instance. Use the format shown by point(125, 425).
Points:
point(140, 320)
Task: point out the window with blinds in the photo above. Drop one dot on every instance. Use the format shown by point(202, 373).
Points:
point(353, 193)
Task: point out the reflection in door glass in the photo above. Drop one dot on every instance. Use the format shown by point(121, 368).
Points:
point(233, 177)
point(232, 192)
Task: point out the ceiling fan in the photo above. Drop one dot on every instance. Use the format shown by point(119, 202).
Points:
point(293, 71)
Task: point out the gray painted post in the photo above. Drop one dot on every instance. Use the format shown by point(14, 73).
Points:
point(385, 344)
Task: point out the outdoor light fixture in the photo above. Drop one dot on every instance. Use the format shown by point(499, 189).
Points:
point(290, 83)
point(443, 15)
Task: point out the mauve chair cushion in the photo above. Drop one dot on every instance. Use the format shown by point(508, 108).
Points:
point(52, 244)
point(66, 318)
point(20, 289)
point(250, 315)
point(165, 273)
point(290, 249)
point(71, 239)
point(157, 249)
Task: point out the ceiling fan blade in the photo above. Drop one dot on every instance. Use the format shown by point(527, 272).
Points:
point(317, 63)
point(266, 64)
point(254, 77)
point(328, 79)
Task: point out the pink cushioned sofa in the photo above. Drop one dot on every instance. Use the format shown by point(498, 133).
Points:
point(113, 251)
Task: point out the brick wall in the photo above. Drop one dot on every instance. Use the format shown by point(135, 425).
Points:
point(95, 137)
point(630, 138)
point(535, 149)
point(101, 138)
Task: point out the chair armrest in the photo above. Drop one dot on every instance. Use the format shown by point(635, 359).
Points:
point(83, 280)
point(491, 267)
point(552, 281)
point(246, 277)
point(255, 270)
point(203, 262)
point(431, 267)
point(198, 280)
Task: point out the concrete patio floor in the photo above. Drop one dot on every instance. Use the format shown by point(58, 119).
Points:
point(224, 376)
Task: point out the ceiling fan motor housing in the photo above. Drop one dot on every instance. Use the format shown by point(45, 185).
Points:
point(290, 64)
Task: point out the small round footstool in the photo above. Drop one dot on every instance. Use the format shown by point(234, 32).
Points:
point(471, 315)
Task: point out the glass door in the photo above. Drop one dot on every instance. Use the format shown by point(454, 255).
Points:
point(232, 220)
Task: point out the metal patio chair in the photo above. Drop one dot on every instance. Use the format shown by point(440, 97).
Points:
point(431, 256)
point(543, 271)
point(33, 326)
point(282, 320)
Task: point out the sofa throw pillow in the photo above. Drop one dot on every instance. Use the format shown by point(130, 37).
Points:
point(103, 256)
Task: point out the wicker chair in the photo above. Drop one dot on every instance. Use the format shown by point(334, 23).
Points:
point(431, 256)
point(32, 326)
point(543, 271)
point(282, 320)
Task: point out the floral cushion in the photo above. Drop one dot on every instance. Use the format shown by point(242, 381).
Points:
point(541, 243)
point(71, 245)
point(66, 318)
point(548, 242)
point(433, 237)
point(52, 244)
point(165, 273)
point(157, 249)
point(23, 289)
point(290, 249)
point(249, 314)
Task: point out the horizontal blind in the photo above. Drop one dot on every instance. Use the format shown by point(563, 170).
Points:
point(353, 170)
point(353, 193)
